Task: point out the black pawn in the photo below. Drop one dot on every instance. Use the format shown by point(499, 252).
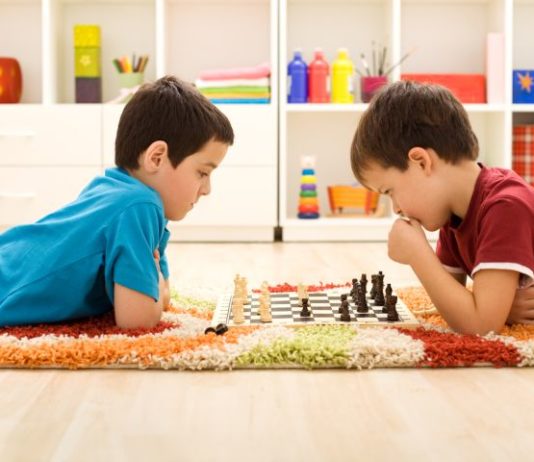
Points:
point(392, 309)
point(379, 296)
point(344, 306)
point(343, 299)
point(305, 312)
point(345, 314)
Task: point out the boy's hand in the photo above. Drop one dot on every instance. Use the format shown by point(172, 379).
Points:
point(522, 311)
point(406, 239)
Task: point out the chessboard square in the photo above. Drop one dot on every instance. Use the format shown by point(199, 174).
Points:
point(322, 315)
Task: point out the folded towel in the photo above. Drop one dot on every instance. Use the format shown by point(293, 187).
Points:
point(261, 82)
point(240, 101)
point(236, 89)
point(256, 72)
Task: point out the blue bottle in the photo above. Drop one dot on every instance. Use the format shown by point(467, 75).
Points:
point(297, 79)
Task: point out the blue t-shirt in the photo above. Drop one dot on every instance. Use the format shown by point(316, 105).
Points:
point(65, 265)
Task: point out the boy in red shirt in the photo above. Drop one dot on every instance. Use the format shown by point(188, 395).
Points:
point(415, 144)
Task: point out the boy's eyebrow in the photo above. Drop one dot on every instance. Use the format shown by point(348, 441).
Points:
point(211, 164)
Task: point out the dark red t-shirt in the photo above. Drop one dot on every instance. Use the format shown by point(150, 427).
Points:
point(497, 231)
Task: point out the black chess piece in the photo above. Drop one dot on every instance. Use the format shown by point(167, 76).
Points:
point(389, 292)
point(210, 330)
point(372, 292)
point(305, 312)
point(344, 306)
point(363, 283)
point(393, 315)
point(354, 285)
point(379, 296)
point(345, 315)
point(362, 306)
point(221, 329)
point(343, 300)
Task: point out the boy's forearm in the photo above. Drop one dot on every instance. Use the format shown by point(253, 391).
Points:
point(454, 302)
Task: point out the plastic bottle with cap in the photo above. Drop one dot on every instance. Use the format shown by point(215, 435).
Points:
point(297, 79)
point(342, 78)
point(318, 78)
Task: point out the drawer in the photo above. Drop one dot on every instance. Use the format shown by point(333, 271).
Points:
point(27, 194)
point(254, 129)
point(50, 135)
point(240, 196)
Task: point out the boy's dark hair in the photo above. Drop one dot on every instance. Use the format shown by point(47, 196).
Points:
point(173, 111)
point(408, 114)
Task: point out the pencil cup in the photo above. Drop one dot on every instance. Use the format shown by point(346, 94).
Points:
point(370, 85)
point(131, 79)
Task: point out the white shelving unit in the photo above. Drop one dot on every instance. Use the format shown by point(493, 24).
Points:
point(449, 37)
point(49, 138)
point(182, 37)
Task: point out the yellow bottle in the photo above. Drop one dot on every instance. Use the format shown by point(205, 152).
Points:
point(342, 78)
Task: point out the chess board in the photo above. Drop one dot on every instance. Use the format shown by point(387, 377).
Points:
point(285, 309)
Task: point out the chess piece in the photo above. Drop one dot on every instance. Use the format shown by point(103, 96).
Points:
point(238, 311)
point(393, 315)
point(221, 329)
point(379, 296)
point(343, 299)
point(362, 306)
point(389, 292)
point(363, 284)
point(353, 291)
point(305, 312)
point(345, 314)
point(372, 292)
point(344, 306)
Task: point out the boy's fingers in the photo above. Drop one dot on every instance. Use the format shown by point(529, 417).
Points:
point(156, 254)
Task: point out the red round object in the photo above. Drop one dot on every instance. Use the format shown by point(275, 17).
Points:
point(10, 80)
point(307, 208)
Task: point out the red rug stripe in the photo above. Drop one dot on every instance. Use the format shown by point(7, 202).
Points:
point(453, 350)
point(91, 327)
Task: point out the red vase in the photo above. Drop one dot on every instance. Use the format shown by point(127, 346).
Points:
point(10, 80)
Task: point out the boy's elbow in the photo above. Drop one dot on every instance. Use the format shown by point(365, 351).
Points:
point(137, 322)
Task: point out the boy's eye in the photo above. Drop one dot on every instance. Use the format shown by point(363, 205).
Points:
point(203, 174)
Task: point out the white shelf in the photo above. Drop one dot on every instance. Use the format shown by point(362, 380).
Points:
point(523, 107)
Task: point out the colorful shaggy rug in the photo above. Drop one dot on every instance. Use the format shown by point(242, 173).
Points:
point(179, 342)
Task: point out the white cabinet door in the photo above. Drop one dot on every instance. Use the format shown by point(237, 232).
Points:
point(240, 196)
point(29, 193)
point(254, 129)
point(50, 135)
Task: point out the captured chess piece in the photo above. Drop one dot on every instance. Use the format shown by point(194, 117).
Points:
point(305, 312)
point(393, 315)
point(221, 329)
point(210, 330)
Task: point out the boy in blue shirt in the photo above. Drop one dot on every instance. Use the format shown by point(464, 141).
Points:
point(106, 250)
point(416, 145)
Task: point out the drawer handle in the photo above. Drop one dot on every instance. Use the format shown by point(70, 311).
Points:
point(28, 195)
point(17, 134)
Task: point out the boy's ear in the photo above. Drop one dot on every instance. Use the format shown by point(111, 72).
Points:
point(421, 158)
point(154, 156)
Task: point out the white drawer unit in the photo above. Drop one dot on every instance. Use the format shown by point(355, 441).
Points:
point(35, 135)
point(29, 193)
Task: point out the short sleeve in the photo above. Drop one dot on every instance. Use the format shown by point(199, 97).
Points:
point(446, 251)
point(506, 237)
point(132, 239)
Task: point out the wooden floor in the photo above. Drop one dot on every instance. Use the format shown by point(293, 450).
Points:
point(391, 415)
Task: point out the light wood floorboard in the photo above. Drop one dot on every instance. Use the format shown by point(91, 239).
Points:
point(479, 414)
